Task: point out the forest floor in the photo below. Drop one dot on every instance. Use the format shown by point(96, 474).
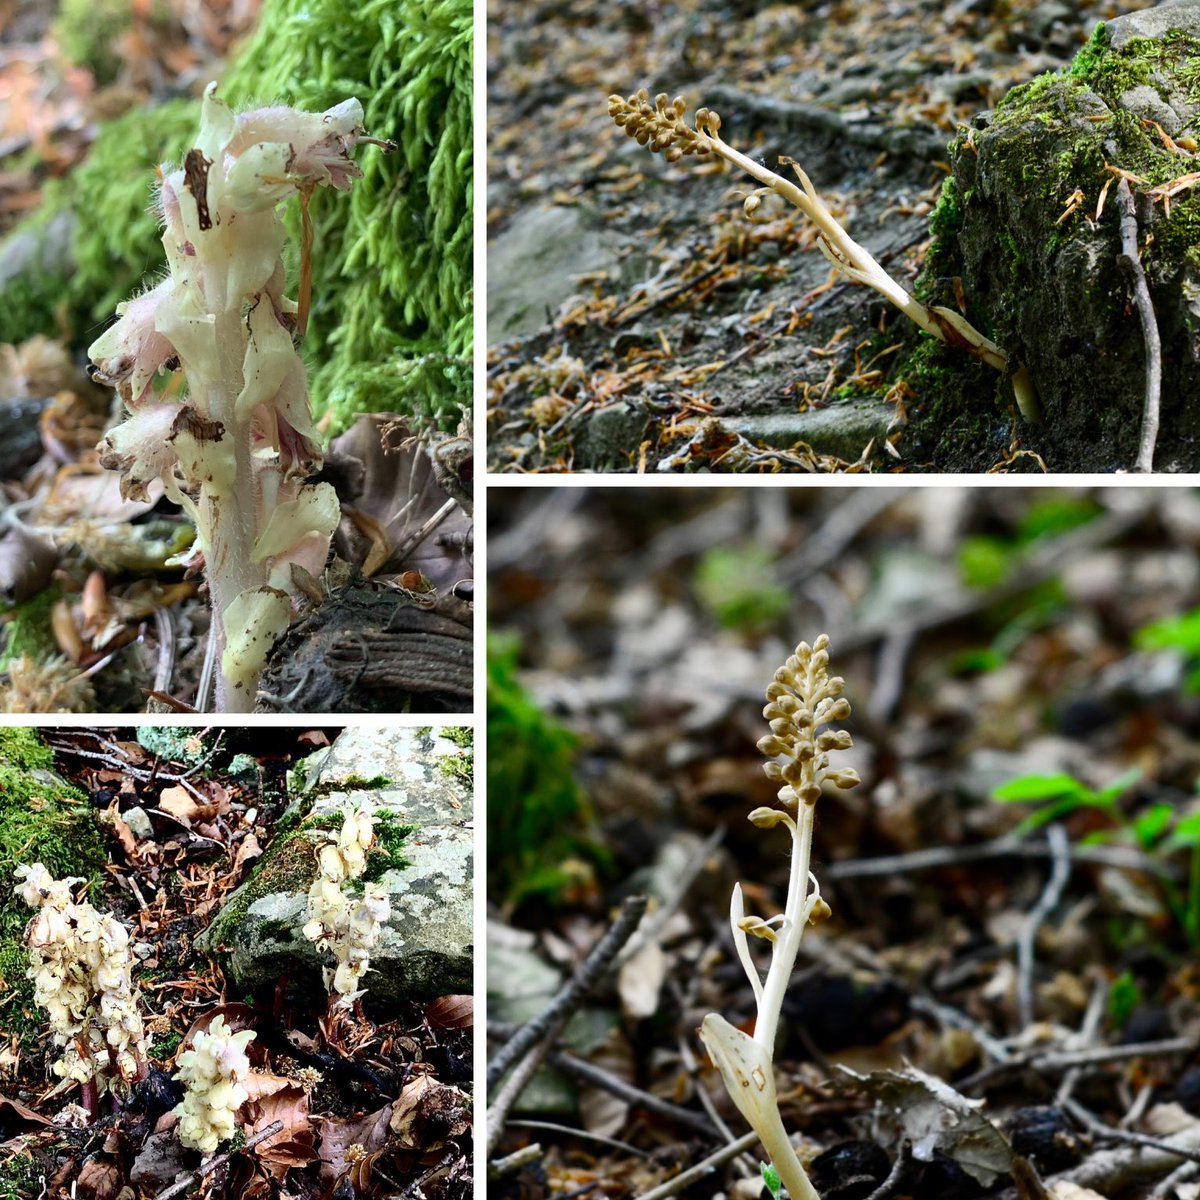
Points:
point(1015, 884)
point(638, 320)
point(361, 1097)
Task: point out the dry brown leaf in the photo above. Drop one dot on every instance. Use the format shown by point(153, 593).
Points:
point(640, 980)
point(179, 803)
point(452, 1012)
point(292, 1146)
point(100, 1179)
point(427, 1114)
point(337, 1135)
point(16, 1118)
point(247, 850)
point(124, 836)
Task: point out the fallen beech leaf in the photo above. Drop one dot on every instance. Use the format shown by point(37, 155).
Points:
point(1064, 1189)
point(292, 1146)
point(934, 1117)
point(452, 1012)
point(100, 1179)
point(369, 1132)
point(16, 1118)
point(124, 836)
point(428, 1114)
point(247, 850)
point(183, 806)
point(259, 1084)
point(640, 980)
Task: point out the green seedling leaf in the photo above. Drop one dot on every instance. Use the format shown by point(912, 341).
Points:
point(1124, 995)
point(1180, 633)
point(1033, 789)
point(1186, 833)
point(770, 1178)
point(1109, 795)
point(1152, 824)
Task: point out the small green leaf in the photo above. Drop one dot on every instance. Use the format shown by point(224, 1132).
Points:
point(771, 1179)
point(1033, 789)
point(1185, 833)
point(1124, 995)
point(1152, 824)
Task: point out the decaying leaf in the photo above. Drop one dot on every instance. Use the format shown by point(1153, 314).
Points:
point(452, 1012)
point(640, 980)
point(343, 1140)
point(183, 806)
point(934, 1117)
point(16, 1118)
point(428, 1114)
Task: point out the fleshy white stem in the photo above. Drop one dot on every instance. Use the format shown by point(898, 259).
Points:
point(787, 945)
point(661, 127)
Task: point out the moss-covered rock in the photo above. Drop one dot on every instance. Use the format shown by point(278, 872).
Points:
point(42, 819)
point(1018, 223)
point(423, 826)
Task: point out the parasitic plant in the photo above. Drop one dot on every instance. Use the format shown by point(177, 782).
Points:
point(802, 700)
point(661, 127)
point(82, 971)
point(214, 1072)
point(349, 926)
point(236, 448)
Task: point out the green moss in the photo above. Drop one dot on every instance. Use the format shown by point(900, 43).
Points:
point(89, 32)
point(739, 586)
point(27, 626)
point(279, 931)
point(21, 1177)
point(42, 820)
point(392, 264)
point(536, 812)
point(290, 865)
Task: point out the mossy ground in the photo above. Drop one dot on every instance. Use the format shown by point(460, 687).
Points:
point(290, 863)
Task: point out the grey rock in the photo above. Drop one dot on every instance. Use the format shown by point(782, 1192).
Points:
point(159, 1162)
point(534, 264)
point(842, 429)
point(612, 435)
point(427, 946)
point(139, 823)
point(48, 250)
point(1182, 15)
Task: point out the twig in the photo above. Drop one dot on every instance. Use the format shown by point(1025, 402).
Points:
point(1087, 1031)
point(571, 996)
point(1060, 873)
point(888, 1186)
point(1107, 1132)
point(597, 1076)
point(582, 1134)
point(508, 1095)
point(1129, 260)
point(1182, 1174)
point(706, 1166)
point(514, 1162)
point(1001, 847)
point(217, 1160)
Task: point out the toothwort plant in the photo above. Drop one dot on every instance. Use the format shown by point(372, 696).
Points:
point(235, 450)
point(802, 699)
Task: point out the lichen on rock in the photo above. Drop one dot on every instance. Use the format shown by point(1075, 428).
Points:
point(1029, 222)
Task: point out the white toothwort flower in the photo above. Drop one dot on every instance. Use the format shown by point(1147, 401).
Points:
point(213, 1073)
point(348, 926)
point(81, 970)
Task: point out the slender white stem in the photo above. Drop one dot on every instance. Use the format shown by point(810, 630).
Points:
point(787, 944)
point(859, 264)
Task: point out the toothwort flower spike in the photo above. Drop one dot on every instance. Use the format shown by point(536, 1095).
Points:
point(662, 127)
point(236, 450)
point(801, 700)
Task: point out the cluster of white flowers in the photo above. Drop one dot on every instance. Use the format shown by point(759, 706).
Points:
point(350, 926)
point(213, 1072)
point(81, 969)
